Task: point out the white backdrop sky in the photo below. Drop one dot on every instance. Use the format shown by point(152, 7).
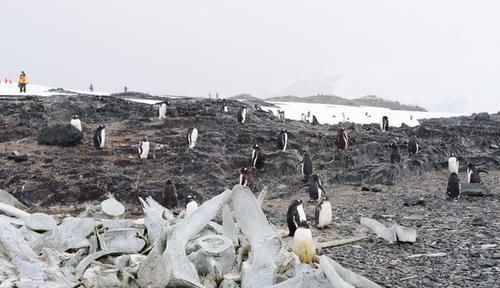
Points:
point(441, 54)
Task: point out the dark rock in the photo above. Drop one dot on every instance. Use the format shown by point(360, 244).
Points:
point(413, 200)
point(474, 189)
point(60, 135)
point(18, 157)
point(483, 116)
point(478, 221)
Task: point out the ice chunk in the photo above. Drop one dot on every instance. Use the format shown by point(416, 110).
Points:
point(216, 256)
point(157, 218)
point(229, 227)
point(122, 239)
point(392, 234)
point(40, 222)
point(112, 207)
point(12, 211)
point(313, 280)
point(260, 269)
point(70, 234)
point(167, 263)
point(7, 198)
point(347, 275)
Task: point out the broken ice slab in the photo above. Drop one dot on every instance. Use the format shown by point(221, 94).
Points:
point(70, 234)
point(392, 234)
point(167, 263)
point(12, 211)
point(216, 256)
point(229, 227)
point(122, 239)
point(40, 222)
point(156, 219)
point(327, 264)
point(260, 269)
point(7, 198)
point(313, 280)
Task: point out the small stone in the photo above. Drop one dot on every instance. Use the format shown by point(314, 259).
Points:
point(478, 221)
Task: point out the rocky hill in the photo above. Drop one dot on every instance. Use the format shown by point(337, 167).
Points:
point(68, 178)
point(369, 100)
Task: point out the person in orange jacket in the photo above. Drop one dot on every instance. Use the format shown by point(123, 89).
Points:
point(23, 80)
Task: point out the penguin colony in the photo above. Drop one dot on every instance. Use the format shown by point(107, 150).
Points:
point(298, 227)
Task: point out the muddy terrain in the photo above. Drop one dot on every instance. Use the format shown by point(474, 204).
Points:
point(64, 180)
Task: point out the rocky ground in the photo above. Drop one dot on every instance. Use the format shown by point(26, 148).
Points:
point(65, 179)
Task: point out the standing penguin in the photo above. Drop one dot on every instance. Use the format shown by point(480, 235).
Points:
point(247, 177)
point(224, 108)
point(162, 111)
point(99, 137)
point(303, 117)
point(323, 213)
point(413, 147)
point(307, 166)
point(282, 140)
point(75, 121)
point(294, 216)
point(281, 115)
point(395, 155)
point(342, 139)
point(385, 124)
point(453, 188)
point(170, 195)
point(453, 164)
point(192, 135)
point(473, 175)
point(191, 205)
point(258, 157)
point(316, 190)
point(303, 243)
point(143, 148)
point(242, 114)
point(314, 120)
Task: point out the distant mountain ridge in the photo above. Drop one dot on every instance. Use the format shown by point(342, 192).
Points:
point(369, 100)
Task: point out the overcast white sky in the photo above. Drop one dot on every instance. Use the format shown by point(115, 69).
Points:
point(441, 54)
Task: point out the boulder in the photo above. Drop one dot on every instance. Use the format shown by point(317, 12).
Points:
point(65, 135)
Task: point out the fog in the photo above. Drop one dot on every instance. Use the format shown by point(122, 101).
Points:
point(443, 55)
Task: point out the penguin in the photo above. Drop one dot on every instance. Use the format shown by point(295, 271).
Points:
point(143, 148)
point(307, 166)
point(315, 189)
point(453, 188)
point(191, 205)
point(281, 115)
point(257, 108)
point(75, 121)
point(453, 164)
point(323, 213)
point(242, 114)
point(342, 139)
point(224, 108)
point(170, 195)
point(303, 117)
point(282, 140)
point(303, 243)
point(192, 135)
point(413, 147)
point(309, 114)
point(314, 120)
point(99, 137)
point(162, 111)
point(473, 175)
point(385, 124)
point(395, 155)
point(295, 215)
point(247, 177)
point(258, 157)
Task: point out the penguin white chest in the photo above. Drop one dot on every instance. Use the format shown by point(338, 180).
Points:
point(302, 214)
point(103, 138)
point(469, 174)
point(286, 141)
point(225, 109)
point(303, 245)
point(192, 137)
point(144, 150)
point(243, 115)
point(345, 140)
point(325, 215)
point(191, 207)
point(76, 123)
point(162, 111)
point(453, 165)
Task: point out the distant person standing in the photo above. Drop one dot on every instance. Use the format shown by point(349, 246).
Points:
point(23, 80)
point(125, 89)
point(91, 88)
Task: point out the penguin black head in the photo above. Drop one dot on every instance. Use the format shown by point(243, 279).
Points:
point(144, 139)
point(315, 178)
point(75, 116)
point(189, 198)
point(169, 182)
point(167, 103)
point(297, 202)
point(284, 130)
point(452, 154)
point(256, 146)
point(102, 126)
